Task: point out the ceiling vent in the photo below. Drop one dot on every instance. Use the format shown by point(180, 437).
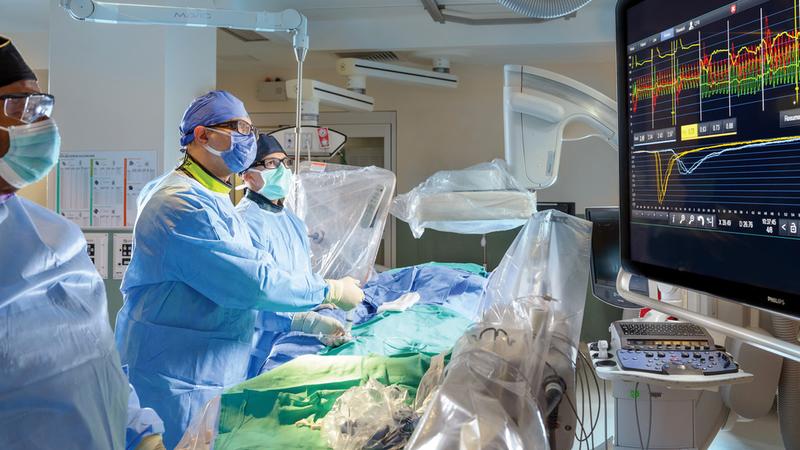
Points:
point(378, 56)
point(246, 35)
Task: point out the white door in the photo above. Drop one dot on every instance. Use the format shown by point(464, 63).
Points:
point(371, 141)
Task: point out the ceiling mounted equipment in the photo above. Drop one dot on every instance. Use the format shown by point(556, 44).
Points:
point(288, 21)
point(319, 93)
point(246, 35)
point(440, 13)
point(380, 55)
point(544, 9)
point(358, 70)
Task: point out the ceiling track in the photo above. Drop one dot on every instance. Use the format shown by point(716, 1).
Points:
point(438, 14)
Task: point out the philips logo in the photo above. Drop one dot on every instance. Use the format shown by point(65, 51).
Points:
point(193, 15)
point(777, 301)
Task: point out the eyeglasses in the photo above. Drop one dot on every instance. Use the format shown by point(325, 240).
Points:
point(240, 126)
point(274, 163)
point(29, 107)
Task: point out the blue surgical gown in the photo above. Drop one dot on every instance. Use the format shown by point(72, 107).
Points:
point(191, 293)
point(284, 236)
point(61, 383)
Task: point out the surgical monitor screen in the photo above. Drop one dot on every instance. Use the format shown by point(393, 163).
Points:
point(709, 100)
point(605, 248)
point(605, 259)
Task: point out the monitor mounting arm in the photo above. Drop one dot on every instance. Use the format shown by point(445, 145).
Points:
point(288, 21)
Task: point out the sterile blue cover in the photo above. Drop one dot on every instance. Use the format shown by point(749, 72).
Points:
point(283, 235)
point(191, 293)
point(61, 383)
point(456, 289)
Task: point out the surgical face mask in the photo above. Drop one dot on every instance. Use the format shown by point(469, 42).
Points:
point(32, 151)
point(277, 182)
point(241, 153)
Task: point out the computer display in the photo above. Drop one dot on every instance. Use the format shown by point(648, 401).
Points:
point(565, 207)
point(709, 101)
point(605, 260)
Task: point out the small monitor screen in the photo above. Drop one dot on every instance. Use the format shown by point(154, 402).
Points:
point(605, 259)
point(710, 146)
point(565, 207)
point(605, 248)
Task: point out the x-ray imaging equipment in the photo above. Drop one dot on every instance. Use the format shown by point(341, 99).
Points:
point(538, 107)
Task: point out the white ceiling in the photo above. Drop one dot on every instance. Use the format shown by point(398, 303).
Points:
point(400, 25)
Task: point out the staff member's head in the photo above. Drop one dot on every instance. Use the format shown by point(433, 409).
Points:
point(29, 139)
point(217, 133)
point(271, 174)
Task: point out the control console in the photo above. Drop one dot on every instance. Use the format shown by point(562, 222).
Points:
point(669, 348)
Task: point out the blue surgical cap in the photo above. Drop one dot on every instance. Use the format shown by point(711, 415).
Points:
point(210, 109)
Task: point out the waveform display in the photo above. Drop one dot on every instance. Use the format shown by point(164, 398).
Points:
point(769, 59)
point(701, 141)
point(666, 161)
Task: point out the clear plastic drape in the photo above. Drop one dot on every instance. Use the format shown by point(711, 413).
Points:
point(480, 199)
point(345, 209)
point(532, 313)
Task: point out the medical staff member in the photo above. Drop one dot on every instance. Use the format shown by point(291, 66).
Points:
point(284, 236)
point(195, 279)
point(61, 384)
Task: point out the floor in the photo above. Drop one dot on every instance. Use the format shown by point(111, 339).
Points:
point(760, 434)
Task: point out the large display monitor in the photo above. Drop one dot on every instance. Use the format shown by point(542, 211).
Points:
point(709, 116)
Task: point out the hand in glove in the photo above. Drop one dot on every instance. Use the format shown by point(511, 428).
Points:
point(345, 293)
point(314, 323)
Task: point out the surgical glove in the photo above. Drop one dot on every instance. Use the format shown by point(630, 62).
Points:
point(345, 293)
point(314, 323)
point(152, 442)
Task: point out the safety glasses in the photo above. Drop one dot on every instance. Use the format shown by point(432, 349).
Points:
point(239, 126)
point(274, 163)
point(27, 108)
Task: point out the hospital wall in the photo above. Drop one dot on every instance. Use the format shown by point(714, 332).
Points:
point(440, 128)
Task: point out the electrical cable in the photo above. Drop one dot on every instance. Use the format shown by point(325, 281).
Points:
point(569, 403)
point(578, 393)
point(597, 389)
point(636, 411)
point(584, 137)
point(578, 418)
point(650, 419)
point(605, 415)
point(575, 413)
point(588, 363)
point(593, 418)
point(588, 389)
point(587, 399)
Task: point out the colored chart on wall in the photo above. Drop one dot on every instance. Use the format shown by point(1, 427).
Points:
point(100, 189)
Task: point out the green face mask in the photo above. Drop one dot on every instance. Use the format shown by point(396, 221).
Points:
point(277, 182)
point(32, 152)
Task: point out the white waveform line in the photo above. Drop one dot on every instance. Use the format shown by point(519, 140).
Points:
point(683, 170)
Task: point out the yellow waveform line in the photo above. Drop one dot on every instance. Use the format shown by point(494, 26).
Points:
point(663, 177)
point(732, 58)
point(637, 63)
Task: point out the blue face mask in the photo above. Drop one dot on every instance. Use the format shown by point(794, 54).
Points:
point(32, 152)
point(277, 182)
point(240, 155)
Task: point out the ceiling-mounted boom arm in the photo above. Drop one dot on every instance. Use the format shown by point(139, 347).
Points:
point(287, 21)
point(537, 108)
